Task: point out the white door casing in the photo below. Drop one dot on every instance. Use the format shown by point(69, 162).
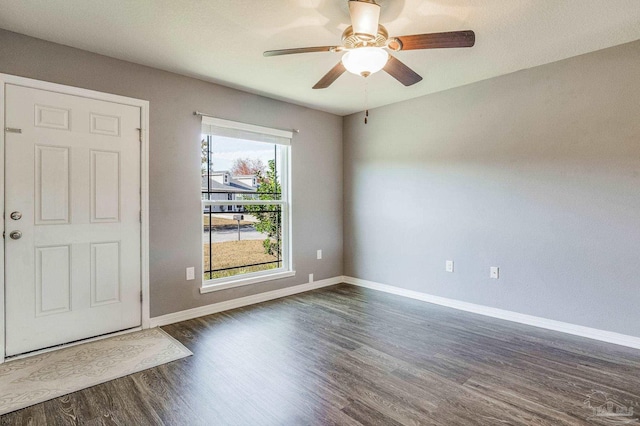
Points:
point(74, 173)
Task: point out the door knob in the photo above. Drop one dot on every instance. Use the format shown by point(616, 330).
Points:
point(16, 215)
point(15, 235)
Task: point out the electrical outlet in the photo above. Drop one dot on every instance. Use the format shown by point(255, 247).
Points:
point(448, 266)
point(310, 278)
point(494, 272)
point(191, 273)
point(319, 254)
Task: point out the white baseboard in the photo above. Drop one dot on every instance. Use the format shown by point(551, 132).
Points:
point(240, 302)
point(578, 330)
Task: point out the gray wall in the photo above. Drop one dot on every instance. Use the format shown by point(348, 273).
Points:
point(175, 221)
point(537, 172)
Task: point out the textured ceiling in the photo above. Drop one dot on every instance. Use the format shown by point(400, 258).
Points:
point(222, 40)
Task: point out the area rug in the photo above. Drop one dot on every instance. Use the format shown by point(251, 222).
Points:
point(32, 380)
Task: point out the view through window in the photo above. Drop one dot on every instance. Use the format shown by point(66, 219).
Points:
point(244, 207)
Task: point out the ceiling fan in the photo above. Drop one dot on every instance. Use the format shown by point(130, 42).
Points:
point(364, 43)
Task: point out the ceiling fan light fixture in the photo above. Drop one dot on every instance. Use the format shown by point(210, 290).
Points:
point(365, 41)
point(365, 61)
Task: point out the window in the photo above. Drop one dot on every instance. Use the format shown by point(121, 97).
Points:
point(246, 216)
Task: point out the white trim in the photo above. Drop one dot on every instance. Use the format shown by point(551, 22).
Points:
point(564, 327)
point(2, 289)
point(236, 125)
point(144, 180)
point(259, 277)
point(286, 195)
point(240, 302)
point(144, 213)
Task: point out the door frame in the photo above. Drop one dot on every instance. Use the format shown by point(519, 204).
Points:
point(144, 182)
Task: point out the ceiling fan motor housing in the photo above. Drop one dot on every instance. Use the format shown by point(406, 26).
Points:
point(351, 40)
point(365, 16)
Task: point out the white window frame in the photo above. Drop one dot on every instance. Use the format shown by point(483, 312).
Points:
point(286, 270)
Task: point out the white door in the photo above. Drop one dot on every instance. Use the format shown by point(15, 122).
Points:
point(73, 174)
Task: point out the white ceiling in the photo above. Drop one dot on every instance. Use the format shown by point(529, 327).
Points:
point(222, 40)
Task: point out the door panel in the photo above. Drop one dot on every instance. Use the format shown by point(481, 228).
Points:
point(52, 184)
point(105, 273)
point(53, 280)
point(105, 186)
point(74, 174)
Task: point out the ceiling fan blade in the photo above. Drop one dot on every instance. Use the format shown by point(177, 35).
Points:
point(302, 50)
point(434, 40)
point(365, 16)
point(331, 76)
point(401, 72)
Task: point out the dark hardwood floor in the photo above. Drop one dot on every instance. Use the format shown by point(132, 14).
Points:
point(350, 356)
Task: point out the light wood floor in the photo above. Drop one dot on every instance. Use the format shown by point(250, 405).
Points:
point(349, 356)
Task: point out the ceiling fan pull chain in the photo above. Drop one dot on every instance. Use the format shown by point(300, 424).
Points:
point(366, 102)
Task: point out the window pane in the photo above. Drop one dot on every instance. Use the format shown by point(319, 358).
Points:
point(237, 238)
point(252, 170)
point(245, 242)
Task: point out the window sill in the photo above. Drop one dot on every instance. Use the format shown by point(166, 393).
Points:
point(245, 281)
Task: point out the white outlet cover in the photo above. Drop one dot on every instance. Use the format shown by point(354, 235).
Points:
point(191, 273)
point(319, 254)
point(310, 278)
point(494, 272)
point(448, 266)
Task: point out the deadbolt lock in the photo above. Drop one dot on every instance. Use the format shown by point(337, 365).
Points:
point(16, 215)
